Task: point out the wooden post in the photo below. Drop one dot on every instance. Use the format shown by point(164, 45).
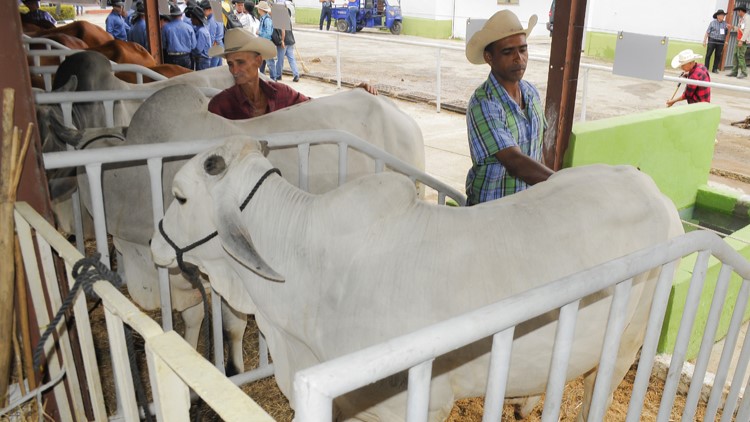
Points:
point(562, 81)
point(7, 244)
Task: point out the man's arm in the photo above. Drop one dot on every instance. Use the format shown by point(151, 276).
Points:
point(522, 166)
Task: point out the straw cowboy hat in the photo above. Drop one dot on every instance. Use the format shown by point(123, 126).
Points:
point(264, 6)
point(238, 39)
point(685, 57)
point(501, 25)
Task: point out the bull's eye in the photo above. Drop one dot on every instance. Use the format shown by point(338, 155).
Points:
point(214, 165)
point(180, 199)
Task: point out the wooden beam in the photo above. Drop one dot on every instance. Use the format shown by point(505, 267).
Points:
point(562, 80)
point(153, 29)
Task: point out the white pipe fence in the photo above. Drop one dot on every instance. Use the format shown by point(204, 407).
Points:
point(93, 160)
point(586, 67)
point(174, 368)
point(316, 387)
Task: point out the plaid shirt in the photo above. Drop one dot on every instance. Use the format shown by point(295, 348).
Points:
point(496, 122)
point(695, 93)
point(714, 31)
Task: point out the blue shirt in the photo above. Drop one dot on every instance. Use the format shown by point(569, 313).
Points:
point(495, 122)
point(117, 26)
point(138, 34)
point(266, 27)
point(216, 30)
point(200, 52)
point(178, 37)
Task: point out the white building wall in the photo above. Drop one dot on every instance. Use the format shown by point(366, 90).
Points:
point(677, 19)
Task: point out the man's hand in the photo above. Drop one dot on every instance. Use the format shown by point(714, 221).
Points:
point(369, 88)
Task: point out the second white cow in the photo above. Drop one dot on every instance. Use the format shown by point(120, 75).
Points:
point(369, 261)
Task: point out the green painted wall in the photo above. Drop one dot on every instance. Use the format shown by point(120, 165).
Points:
point(429, 28)
point(679, 292)
point(674, 146)
point(716, 200)
point(602, 45)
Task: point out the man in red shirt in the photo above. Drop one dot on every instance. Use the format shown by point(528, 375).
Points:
point(686, 60)
point(250, 96)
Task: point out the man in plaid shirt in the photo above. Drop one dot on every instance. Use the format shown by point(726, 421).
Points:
point(692, 70)
point(505, 117)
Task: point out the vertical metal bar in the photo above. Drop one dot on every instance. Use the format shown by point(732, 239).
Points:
point(651, 341)
point(566, 327)
point(379, 165)
point(67, 111)
point(94, 174)
point(418, 393)
point(303, 153)
point(310, 404)
point(75, 201)
point(139, 78)
point(157, 209)
point(586, 71)
point(744, 413)
point(262, 351)
point(343, 162)
point(497, 377)
point(109, 112)
point(683, 336)
point(338, 61)
point(726, 355)
point(709, 334)
point(610, 348)
point(438, 81)
point(218, 334)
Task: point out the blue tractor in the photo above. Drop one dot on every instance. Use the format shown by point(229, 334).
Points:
point(371, 14)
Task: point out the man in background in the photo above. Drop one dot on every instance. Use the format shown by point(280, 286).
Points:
point(714, 39)
point(36, 16)
point(739, 69)
point(115, 22)
point(692, 70)
point(177, 39)
point(326, 13)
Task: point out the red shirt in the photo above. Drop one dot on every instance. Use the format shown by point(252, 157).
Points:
point(695, 93)
point(232, 103)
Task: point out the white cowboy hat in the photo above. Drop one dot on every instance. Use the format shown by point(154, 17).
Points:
point(264, 6)
point(501, 25)
point(238, 39)
point(685, 57)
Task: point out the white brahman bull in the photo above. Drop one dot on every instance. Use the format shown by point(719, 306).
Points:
point(369, 261)
point(180, 113)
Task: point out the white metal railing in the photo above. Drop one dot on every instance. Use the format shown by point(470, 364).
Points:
point(55, 49)
point(174, 367)
point(93, 159)
point(316, 387)
point(108, 98)
point(438, 65)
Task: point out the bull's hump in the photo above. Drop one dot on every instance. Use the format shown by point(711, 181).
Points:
point(175, 113)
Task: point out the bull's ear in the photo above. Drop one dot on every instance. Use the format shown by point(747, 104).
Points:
point(264, 148)
point(66, 134)
point(236, 240)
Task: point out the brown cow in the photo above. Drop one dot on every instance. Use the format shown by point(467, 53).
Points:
point(125, 52)
point(168, 70)
point(91, 34)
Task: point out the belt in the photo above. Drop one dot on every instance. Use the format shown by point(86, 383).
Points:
point(177, 54)
point(715, 41)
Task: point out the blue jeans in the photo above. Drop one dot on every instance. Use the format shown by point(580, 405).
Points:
point(351, 19)
point(271, 68)
point(287, 51)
